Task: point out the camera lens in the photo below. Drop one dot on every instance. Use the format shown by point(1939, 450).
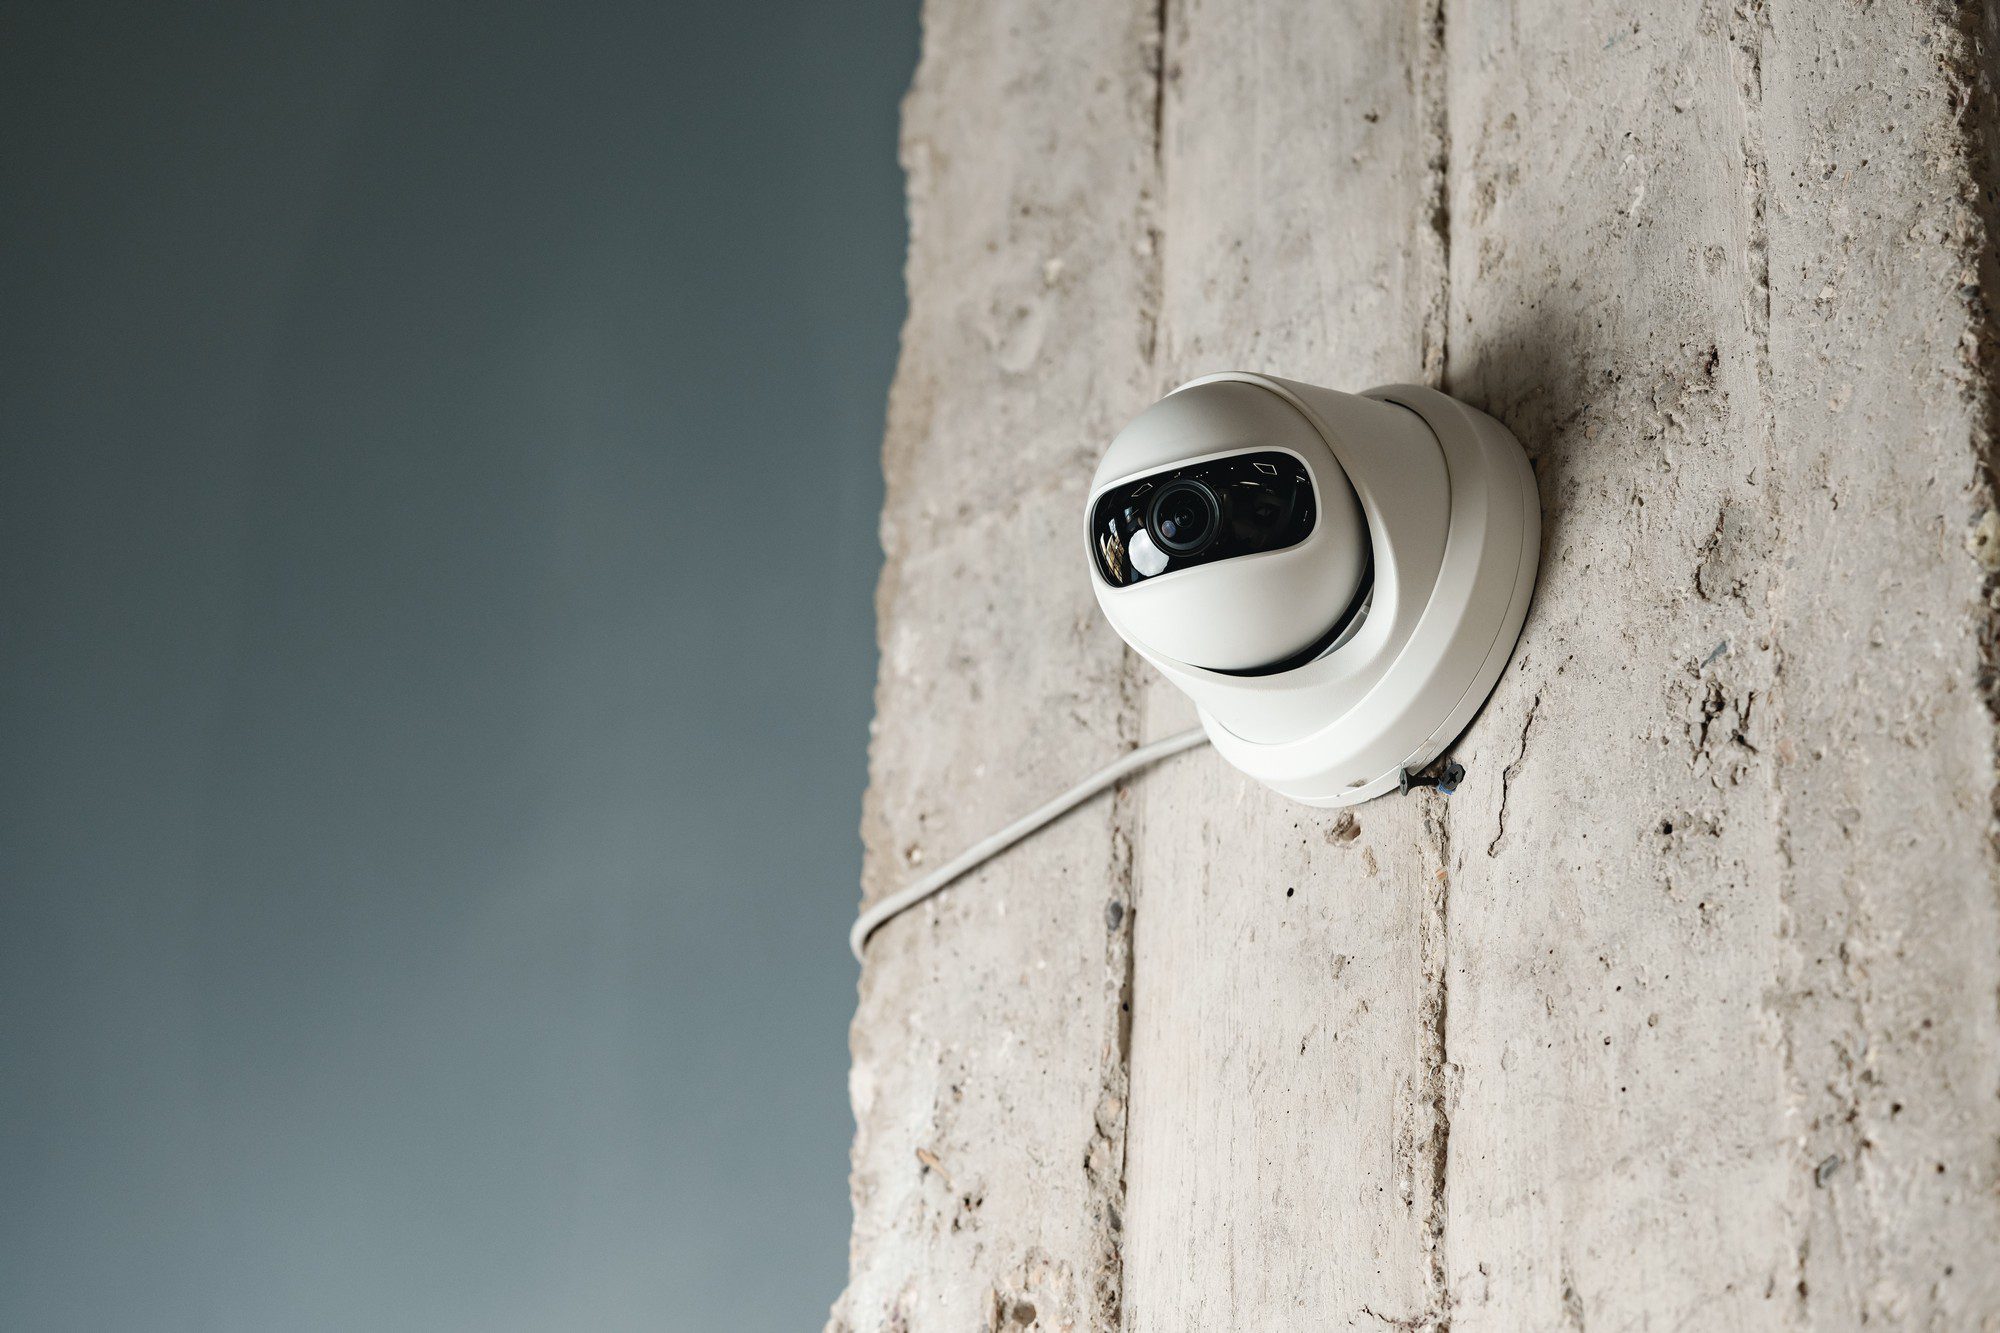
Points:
point(1184, 517)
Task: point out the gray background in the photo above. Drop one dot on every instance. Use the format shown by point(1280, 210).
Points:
point(439, 525)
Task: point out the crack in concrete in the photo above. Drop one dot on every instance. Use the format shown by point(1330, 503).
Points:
point(1507, 774)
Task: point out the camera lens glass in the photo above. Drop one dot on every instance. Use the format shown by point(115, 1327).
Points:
point(1196, 514)
point(1184, 517)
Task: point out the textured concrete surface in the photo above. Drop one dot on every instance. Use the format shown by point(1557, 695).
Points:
point(1682, 1011)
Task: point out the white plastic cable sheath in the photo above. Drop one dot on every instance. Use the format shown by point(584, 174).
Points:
point(903, 899)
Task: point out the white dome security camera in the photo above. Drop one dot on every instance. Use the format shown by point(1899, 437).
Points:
point(1336, 580)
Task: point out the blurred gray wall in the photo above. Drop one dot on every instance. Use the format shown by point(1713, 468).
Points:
point(439, 533)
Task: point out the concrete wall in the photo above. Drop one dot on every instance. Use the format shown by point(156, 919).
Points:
point(1681, 1012)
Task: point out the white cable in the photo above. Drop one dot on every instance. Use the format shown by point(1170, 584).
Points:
point(903, 899)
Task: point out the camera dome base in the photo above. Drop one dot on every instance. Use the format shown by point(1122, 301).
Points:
point(1455, 534)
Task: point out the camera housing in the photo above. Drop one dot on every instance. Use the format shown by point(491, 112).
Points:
point(1336, 580)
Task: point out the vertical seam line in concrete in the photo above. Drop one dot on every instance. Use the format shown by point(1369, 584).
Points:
point(1435, 948)
point(1155, 197)
point(1748, 33)
point(1979, 48)
point(1436, 336)
point(1751, 40)
point(1435, 932)
point(1127, 809)
point(1159, 86)
point(1113, 1112)
point(1977, 51)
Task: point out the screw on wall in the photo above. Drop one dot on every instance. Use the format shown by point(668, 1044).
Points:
point(1442, 774)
